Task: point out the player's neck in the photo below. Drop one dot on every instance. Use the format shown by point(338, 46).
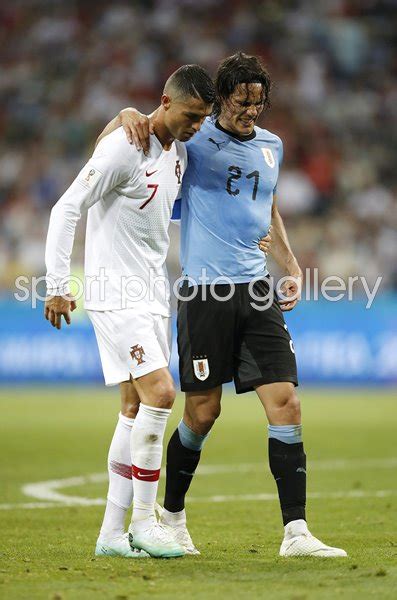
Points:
point(226, 127)
point(160, 130)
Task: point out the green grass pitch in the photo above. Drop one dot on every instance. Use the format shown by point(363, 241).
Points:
point(62, 436)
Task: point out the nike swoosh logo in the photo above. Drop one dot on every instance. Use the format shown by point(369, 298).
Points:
point(139, 474)
point(150, 174)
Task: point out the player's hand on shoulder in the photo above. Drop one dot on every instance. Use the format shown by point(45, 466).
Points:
point(56, 307)
point(290, 291)
point(266, 242)
point(137, 127)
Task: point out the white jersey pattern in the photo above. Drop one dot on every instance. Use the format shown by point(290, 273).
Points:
point(129, 197)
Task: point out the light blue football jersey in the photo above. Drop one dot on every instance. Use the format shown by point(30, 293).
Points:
point(226, 201)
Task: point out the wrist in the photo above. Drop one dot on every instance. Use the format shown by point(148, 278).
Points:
point(62, 289)
point(124, 111)
point(292, 267)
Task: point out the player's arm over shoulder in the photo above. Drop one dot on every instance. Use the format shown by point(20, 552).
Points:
point(137, 127)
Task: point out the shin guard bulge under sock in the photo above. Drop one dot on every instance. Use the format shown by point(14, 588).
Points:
point(287, 461)
point(120, 490)
point(146, 454)
point(183, 456)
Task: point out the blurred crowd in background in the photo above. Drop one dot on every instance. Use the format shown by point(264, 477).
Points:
point(67, 68)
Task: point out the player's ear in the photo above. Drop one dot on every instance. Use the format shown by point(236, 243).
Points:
point(165, 101)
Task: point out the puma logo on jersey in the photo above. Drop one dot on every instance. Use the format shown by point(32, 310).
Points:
point(217, 144)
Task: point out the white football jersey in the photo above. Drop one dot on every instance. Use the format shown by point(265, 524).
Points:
point(130, 198)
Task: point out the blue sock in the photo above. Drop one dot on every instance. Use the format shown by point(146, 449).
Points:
point(289, 434)
point(190, 439)
point(183, 456)
point(287, 461)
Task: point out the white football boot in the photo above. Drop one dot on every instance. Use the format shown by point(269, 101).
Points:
point(178, 527)
point(119, 546)
point(154, 538)
point(298, 541)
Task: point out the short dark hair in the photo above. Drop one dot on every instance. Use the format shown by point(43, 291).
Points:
point(237, 69)
point(193, 80)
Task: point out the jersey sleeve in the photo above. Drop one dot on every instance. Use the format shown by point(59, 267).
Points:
point(280, 151)
point(112, 163)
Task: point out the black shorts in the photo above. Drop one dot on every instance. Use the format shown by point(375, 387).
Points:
point(219, 341)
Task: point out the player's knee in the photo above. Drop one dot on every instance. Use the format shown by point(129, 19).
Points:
point(215, 411)
point(163, 394)
point(130, 409)
point(129, 400)
point(290, 404)
point(204, 419)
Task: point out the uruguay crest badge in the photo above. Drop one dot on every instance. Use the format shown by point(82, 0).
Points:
point(268, 156)
point(201, 368)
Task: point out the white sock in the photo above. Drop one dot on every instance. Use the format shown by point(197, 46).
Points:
point(174, 519)
point(120, 490)
point(146, 453)
point(295, 528)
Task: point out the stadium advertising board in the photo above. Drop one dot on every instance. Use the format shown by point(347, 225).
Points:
point(339, 344)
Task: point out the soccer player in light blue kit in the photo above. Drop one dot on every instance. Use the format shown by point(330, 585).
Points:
point(228, 204)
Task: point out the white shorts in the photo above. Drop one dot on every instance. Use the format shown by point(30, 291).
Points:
point(131, 343)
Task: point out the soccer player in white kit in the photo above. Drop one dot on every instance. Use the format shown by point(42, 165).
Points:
point(129, 197)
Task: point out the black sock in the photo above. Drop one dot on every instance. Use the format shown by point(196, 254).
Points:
point(181, 465)
point(288, 466)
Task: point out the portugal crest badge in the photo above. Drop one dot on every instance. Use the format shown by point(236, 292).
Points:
point(269, 158)
point(178, 171)
point(137, 353)
point(201, 368)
